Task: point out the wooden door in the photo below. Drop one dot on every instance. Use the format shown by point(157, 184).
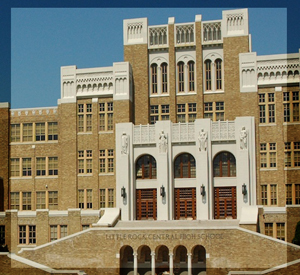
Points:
point(146, 204)
point(185, 203)
point(225, 202)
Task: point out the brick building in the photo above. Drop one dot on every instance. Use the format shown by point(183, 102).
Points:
point(179, 159)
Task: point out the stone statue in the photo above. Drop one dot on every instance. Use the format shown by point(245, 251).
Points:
point(163, 142)
point(202, 140)
point(243, 139)
point(124, 143)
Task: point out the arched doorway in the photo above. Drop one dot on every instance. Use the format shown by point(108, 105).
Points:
point(126, 260)
point(198, 260)
point(161, 259)
point(180, 260)
point(144, 260)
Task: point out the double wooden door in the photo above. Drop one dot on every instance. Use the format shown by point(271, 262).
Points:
point(185, 203)
point(146, 204)
point(225, 202)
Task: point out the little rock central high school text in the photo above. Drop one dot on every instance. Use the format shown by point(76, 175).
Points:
point(184, 159)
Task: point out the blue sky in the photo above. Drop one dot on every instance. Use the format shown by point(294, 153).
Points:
point(44, 39)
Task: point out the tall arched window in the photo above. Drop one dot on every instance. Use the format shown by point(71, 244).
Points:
point(146, 167)
point(218, 66)
point(164, 78)
point(154, 78)
point(185, 166)
point(180, 76)
point(207, 75)
point(224, 165)
point(191, 66)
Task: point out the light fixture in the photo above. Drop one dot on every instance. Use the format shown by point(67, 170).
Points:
point(123, 192)
point(244, 189)
point(202, 190)
point(162, 191)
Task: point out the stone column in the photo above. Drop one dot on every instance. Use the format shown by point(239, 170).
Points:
point(171, 263)
point(189, 263)
point(153, 263)
point(135, 263)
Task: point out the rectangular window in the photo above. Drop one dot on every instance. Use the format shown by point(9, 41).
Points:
point(191, 66)
point(180, 68)
point(291, 112)
point(268, 155)
point(89, 198)
point(214, 110)
point(53, 233)
point(292, 154)
point(102, 198)
point(106, 196)
point(110, 197)
point(15, 200)
point(41, 166)
point(164, 76)
point(288, 194)
point(2, 234)
point(269, 194)
point(32, 234)
point(269, 229)
point(273, 188)
point(53, 200)
point(15, 133)
point(186, 112)
point(41, 200)
point(26, 200)
point(292, 193)
point(27, 234)
point(63, 231)
point(280, 231)
point(85, 198)
point(14, 167)
point(52, 131)
point(267, 107)
point(40, 133)
point(106, 116)
point(52, 166)
point(26, 167)
point(22, 234)
point(264, 195)
point(81, 198)
point(85, 226)
point(85, 162)
point(159, 112)
point(27, 132)
point(84, 115)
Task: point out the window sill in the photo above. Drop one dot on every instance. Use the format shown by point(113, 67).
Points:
point(185, 93)
point(21, 178)
point(268, 169)
point(84, 175)
point(33, 142)
point(46, 177)
point(26, 245)
point(214, 92)
point(266, 124)
point(290, 123)
point(159, 95)
point(84, 133)
point(106, 174)
point(105, 132)
point(291, 168)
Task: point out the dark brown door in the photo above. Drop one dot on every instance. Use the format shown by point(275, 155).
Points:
point(146, 204)
point(225, 202)
point(185, 203)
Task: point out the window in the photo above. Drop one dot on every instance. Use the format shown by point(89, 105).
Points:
point(164, 78)
point(41, 166)
point(85, 226)
point(41, 200)
point(106, 161)
point(58, 231)
point(85, 198)
point(40, 133)
point(214, 110)
point(269, 194)
point(275, 230)
point(52, 131)
point(106, 116)
point(26, 200)
point(14, 167)
point(291, 112)
point(27, 132)
point(224, 165)
point(191, 66)
point(180, 68)
point(84, 117)
point(15, 133)
point(26, 167)
point(146, 167)
point(154, 78)
point(85, 162)
point(15, 200)
point(185, 166)
point(53, 200)
point(218, 66)
point(52, 166)
point(27, 234)
point(106, 196)
point(292, 154)
point(268, 155)
point(46, 166)
point(2, 234)
point(207, 65)
point(266, 108)
point(186, 112)
point(159, 112)
point(292, 193)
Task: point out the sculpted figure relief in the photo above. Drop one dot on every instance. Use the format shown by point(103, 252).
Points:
point(202, 140)
point(163, 142)
point(124, 143)
point(243, 138)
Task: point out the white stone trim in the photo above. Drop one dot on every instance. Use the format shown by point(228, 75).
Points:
point(4, 104)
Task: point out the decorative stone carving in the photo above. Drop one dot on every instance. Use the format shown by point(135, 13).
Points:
point(163, 142)
point(202, 140)
point(33, 112)
point(26, 113)
point(47, 112)
point(19, 113)
point(12, 113)
point(243, 138)
point(124, 143)
point(40, 112)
